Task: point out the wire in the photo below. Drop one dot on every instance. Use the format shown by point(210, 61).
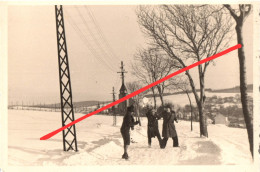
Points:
point(100, 31)
point(102, 40)
point(94, 37)
point(85, 40)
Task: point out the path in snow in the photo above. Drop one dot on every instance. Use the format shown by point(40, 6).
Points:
point(100, 143)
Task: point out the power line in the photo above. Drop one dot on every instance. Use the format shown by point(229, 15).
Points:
point(101, 40)
point(100, 31)
point(93, 35)
point(89, 46)
point(85, 40)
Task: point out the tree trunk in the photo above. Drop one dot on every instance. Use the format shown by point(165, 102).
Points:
point(160, 94)
point(190, 111)
point(154, 98)
point(243, 87)
point(203, 121)
point(203, 118)
point(199, 102)
point(138, 113)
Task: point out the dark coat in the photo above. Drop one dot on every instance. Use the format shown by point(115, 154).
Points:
point(168, 124)
point(152, 127)
point(128, 122)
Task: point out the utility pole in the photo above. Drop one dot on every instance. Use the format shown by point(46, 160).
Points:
point(113, 107)
point(123, 92)
point(67, 112)
point(122, 72)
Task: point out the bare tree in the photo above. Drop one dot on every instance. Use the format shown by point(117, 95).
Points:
point(156, 66)
point(188, 34)
point(240, 17)
point(181, 83)
point(134, 86)
point(143, 74)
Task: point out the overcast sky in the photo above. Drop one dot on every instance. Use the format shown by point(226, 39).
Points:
point(33, 62)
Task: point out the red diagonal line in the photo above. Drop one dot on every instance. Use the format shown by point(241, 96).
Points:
point(141, 90)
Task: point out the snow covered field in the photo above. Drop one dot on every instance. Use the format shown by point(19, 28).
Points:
point(103, 145)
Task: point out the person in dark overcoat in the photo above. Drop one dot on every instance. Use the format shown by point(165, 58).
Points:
point(152, 126)
point(128, 122)
point(169, 130)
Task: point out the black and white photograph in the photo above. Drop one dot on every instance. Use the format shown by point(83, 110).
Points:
point(132, 85)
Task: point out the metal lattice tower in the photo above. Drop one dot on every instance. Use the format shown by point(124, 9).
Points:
point(67, 113)
point(113, 107)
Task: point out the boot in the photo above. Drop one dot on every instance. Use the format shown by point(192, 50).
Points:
point(125, 156)
point(175, 142)
point(161, 144)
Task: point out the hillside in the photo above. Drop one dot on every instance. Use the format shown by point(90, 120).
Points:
point(235, 89)
point(94, 102)
point(75, 104)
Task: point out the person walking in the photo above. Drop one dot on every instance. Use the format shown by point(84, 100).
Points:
point(169, 130)
point(152, 127)
point(128, 122)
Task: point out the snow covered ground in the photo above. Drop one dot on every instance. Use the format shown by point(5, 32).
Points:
point(182, 99)
point(102, 144)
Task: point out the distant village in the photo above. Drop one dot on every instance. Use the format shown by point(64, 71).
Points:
point(226, 110)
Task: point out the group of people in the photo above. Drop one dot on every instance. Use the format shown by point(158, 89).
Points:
point(169, 116)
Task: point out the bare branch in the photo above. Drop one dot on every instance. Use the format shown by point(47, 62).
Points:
point(232, 11)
